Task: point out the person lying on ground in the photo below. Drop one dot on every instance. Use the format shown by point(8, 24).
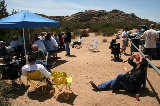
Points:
point(130, 81)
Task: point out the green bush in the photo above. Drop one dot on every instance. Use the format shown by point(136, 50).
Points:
point(117, 37)
point(98, 33)
point(104, 40)
point(84, 33)
point(76, 33)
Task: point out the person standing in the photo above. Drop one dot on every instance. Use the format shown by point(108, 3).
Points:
point(67, 41)
point(21, 40)
point(124, 41)
point(150, 36)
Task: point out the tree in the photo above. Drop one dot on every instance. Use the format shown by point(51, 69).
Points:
point(3, 10)
point(3, 13)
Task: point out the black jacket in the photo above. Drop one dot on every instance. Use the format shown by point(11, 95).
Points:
point(68, 38)
point(10, 71)
point(137, 75)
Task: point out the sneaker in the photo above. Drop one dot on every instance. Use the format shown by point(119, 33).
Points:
point(125, 53)
point(94, 86)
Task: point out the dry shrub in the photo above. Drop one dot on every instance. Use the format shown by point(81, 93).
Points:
point(117, 37)
point(104, 40)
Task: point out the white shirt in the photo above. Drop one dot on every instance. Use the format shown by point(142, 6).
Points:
point(42, 38)
point(49, 45)
point(14, 43)
point(54, 42)
point(80, 40)
point(57, 39)
point(40, 44)
point(125, 34)
point(39, 67)
point(150, 38)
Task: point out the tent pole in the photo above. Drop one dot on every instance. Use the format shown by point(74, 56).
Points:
point(24, 45)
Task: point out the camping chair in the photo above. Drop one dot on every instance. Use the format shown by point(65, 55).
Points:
point(10, 75)
point(115, 50)
point(60, 78)
point(35, 75)
point(78, 45)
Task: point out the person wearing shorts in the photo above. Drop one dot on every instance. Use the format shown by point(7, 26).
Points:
point(150, 36)
point(124, 41)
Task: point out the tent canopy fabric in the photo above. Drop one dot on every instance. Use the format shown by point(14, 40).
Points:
point(27, 19)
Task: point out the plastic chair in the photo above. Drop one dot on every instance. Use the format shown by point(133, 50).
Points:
point(94, 46)
point(91, 44)
point(35, 75)
point(10, 75)
point(60, 78)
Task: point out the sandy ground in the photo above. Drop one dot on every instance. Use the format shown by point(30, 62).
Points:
point(86, 66)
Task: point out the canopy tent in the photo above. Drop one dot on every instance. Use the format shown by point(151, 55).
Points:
point(26, 19)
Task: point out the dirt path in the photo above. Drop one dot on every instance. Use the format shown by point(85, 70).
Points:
point(85, 66)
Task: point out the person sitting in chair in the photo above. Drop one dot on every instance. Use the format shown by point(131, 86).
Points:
point(40, 44)
point(77, 42)
point(17, 48)
point(61, 39)
point(3, 51)
point(33, 66)
point(11, 71)
point(116, 56)
point(130, 81)
point(39, 53)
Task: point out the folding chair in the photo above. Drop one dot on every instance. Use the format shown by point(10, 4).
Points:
point(115, 50)
point(78, 45)
point(92, 43)
point(35, 75)
point(10, 75)
point(60, 78)
point(94, 46)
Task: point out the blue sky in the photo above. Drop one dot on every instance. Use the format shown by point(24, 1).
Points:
point(148, 9)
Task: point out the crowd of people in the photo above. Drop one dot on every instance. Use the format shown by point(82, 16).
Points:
point(131, 81)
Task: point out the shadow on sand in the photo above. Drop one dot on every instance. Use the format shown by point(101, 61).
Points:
point(61, 99)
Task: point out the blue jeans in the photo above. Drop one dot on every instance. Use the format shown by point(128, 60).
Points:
point(67, 47)
point(47, 67)
point(119, 82)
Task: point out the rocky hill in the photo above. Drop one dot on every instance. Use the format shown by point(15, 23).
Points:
point(101, 15)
